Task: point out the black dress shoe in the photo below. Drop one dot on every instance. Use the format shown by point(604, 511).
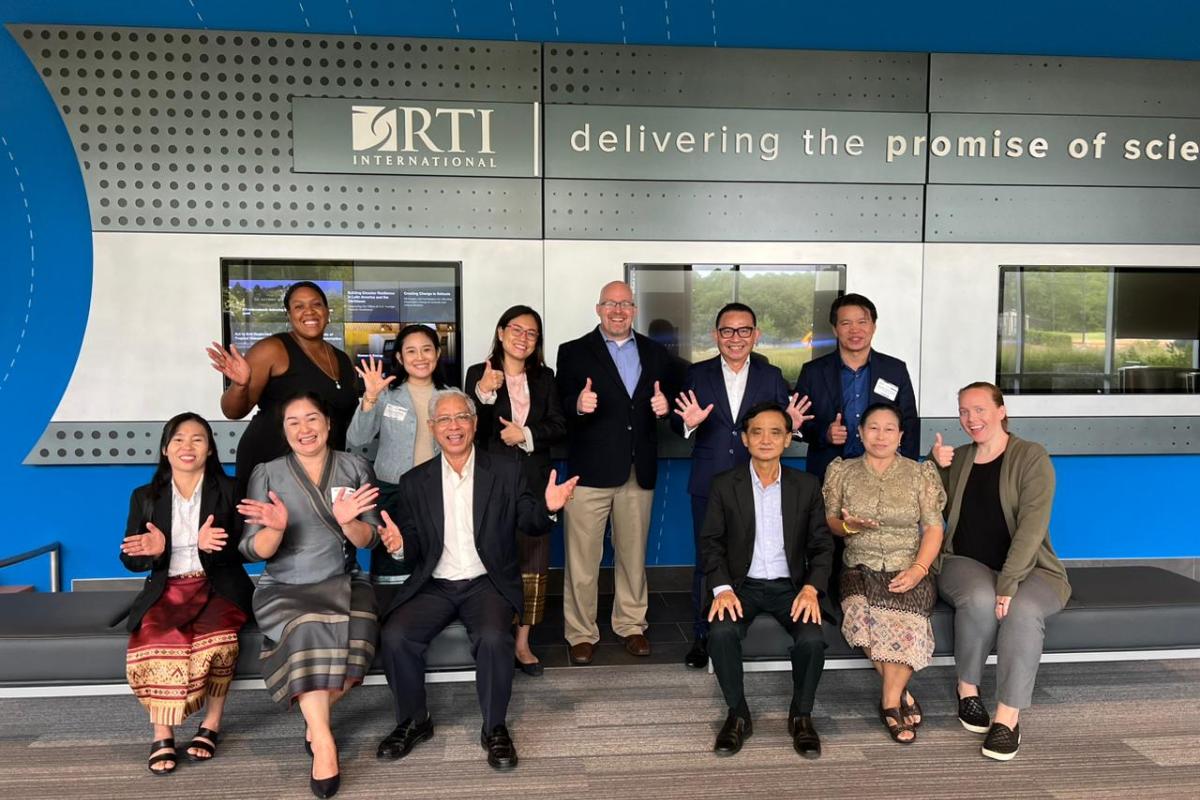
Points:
point(804, 736)
point(697, 657)
point(501, 752)
point(733, 734)
point(404, 738)
point(534, 670)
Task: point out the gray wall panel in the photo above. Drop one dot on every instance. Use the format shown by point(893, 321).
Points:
point(586, 209)
point(1075, 436)
point(1056, 85)
point(728, 78)
point(180, 130)
point(1064, 215)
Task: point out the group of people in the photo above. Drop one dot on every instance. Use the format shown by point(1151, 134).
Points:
point(457, 503)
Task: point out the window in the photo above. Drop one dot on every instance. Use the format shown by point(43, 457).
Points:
point(1098, 330)
point(369, 302)
point(678, 305)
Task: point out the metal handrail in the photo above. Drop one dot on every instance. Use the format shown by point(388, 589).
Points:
point(55, 551)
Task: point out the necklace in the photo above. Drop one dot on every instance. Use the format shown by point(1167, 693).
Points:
point(328, 359)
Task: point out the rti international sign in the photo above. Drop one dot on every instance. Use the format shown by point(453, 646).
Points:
point(415, 137)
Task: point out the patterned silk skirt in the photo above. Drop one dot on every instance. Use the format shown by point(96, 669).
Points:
point(533, 552)
point(317, 636)
point(891, 627)
point(184, 650)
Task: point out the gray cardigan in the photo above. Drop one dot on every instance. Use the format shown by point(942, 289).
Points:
point(1026, 495)
point(394, 420)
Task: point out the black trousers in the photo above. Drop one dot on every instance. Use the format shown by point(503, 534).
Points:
point(808, 644)
point(407, 632)
point(699, 599)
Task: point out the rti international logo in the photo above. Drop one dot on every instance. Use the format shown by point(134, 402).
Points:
point(422, 137)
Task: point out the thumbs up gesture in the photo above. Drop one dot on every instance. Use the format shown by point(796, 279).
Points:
point(942, 453)
point(491, 380)
point(837, 431)
point(586, 403)
point(658, 402)
point(511, 433)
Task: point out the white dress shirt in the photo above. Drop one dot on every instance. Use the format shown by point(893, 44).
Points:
point(460, 559)
point(735, 389)
point(185, 531)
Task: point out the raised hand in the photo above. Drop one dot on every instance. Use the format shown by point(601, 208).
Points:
point(726, 601)
point(837, 431)
point(374, 382)
point(942, 453)
point(658, 402)
point(511, 434)
point(229, 363)
point(150, 544)
point(211, 539)
point(688, 407)
point(587, 401)
point(271, 514)
point(389, 534)
point(557, 494)
point(805, 607)
point(855, 524)
point(350, 503)
point(491, 381)
point(796, 407)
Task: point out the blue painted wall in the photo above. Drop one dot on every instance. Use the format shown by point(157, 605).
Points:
point(1107, 506)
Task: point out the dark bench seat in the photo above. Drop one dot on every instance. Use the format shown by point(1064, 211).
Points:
point(1112, 609)
point(79, 638)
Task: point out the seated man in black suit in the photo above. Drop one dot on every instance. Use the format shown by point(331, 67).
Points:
point(457, 521)
point(767, 548)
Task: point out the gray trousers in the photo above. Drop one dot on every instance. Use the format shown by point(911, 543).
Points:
point(971, 588)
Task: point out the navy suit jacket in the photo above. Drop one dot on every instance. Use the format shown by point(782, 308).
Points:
point(821, 380)
point(718, 440)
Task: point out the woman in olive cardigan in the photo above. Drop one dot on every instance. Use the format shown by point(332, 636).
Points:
point(998, 568)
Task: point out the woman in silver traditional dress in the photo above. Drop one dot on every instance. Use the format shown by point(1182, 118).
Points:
point(309, 512)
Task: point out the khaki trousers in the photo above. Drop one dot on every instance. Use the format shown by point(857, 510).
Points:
point(629, 508)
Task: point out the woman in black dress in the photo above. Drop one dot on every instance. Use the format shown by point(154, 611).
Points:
point(520, 418)
point(282, 366)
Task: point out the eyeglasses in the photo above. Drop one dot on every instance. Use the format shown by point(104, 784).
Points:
point(741, 333)
point(518, 331)
point(613, 305)
point(462, 418)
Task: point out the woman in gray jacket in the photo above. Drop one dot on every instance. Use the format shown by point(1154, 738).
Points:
point(398, 415)
point(998, 568)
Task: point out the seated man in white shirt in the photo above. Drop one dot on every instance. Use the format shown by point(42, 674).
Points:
point(458, 515)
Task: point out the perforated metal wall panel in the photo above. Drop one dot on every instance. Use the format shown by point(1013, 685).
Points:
point(1063, 215)
point(676, 210)
point(1076, 436)
point(1054, 85)
point(728, 78)
point(181, 130)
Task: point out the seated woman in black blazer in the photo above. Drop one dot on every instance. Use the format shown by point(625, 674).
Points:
point(183, 645)
point(520, 417)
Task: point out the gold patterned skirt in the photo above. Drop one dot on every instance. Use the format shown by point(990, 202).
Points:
point(892, 627)
point(184, 650)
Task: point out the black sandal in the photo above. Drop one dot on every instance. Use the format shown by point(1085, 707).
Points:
point(172, 756)
point(894, 715)
point(209, 747)
point(912, 709)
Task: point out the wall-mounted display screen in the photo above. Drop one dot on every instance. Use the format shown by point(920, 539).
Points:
point(678, 305)
point(369, 302)
point(1098, 330)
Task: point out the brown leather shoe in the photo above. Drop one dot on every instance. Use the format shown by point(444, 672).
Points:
point(582, 653)
point(637, 645)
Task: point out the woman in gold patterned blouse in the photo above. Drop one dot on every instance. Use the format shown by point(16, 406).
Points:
point(889, 508)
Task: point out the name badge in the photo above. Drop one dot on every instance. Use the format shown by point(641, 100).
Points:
point(885, 389)
point(392, 411)
point(334, 491)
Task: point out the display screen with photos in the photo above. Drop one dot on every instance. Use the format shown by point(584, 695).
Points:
point(1098, 330)
point(369, 302)
point(677, 305)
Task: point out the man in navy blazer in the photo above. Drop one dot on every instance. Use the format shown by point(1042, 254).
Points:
point(709, 411)
point(843, 383)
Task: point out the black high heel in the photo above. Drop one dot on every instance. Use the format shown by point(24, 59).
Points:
point(325, 787)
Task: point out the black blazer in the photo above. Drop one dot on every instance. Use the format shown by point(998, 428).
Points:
point(224, 568)
point(545, 422)
point(718, 440)
point(502, 504)
point(622, 429)
point(727, 538)
point(821, 380)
